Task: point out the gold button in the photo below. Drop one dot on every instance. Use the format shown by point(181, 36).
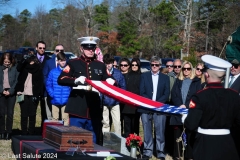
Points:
point(89, 71)
point(89, 67)
point(90, 76)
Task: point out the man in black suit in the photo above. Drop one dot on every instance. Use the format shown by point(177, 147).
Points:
point(234, 83)
point(40, 49)
point(156, 86)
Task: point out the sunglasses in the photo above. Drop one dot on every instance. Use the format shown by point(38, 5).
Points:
point(199, 69)
point(188, 69)
point(167, 66)
point(123, 65)
point(157, 65)
point(177, 66)
point(134, 65)
point(59, 50)
point(41, 48)
point(235, 65)
point(115, 65)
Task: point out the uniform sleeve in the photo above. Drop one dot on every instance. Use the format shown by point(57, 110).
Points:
point(237, 111)
point(195, 112)
point(66, 77)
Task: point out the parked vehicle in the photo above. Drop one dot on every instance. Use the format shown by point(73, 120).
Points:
point(69, 55)
point(25, 50)
point(145, 65)
point(165, 60)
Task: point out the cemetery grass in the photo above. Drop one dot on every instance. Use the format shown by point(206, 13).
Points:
point(5, 146)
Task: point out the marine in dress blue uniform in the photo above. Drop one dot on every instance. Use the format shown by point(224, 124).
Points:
point(212, 111)
point(84, 104)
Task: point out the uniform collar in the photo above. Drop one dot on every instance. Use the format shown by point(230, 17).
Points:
point(215, 85)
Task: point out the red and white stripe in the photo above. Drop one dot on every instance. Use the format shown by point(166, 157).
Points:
point(123, 95)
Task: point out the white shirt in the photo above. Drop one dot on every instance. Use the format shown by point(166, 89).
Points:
point(235, 77)
point(155, 84)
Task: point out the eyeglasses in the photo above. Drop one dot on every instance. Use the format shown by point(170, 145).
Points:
point(59, 50)
point(188, 69)
point(115, 66)
point(167, 66)
point(157, 65)
point(134, 65)
point(123, 65)
point(199, 69)
point(41, 48)
point(177, 66)
point(235, 65)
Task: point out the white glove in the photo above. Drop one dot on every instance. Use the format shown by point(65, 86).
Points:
point(110, 81)
point(80, 79)
point(184, 116)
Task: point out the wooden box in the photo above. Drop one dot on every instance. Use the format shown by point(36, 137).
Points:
point(64, 137)
point(49, 122)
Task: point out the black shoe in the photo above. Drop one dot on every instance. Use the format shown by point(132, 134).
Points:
point(8, 136)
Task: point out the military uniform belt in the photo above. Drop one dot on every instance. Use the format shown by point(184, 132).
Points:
point(87, 88)
point(213, 131)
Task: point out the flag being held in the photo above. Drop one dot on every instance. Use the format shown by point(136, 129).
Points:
point(134, 99)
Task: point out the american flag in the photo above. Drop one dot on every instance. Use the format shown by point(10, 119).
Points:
point(134, 99)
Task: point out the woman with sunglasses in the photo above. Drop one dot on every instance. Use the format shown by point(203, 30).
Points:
point(199, 73)
point(184, 87)
point(8, 81)
point(129, 113)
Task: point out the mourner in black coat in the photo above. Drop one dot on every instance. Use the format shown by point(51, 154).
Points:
point(30, 84)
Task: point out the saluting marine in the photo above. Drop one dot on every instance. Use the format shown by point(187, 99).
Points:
point(212, 111)
point(84, 105)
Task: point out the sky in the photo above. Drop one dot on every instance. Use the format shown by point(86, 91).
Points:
point(30, 5)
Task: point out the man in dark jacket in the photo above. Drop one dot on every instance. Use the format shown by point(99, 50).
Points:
point(110, 104)
point(42, 57)
point(156, 86)
point(84, 104)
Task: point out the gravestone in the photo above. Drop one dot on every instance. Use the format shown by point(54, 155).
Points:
point(115, 142)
